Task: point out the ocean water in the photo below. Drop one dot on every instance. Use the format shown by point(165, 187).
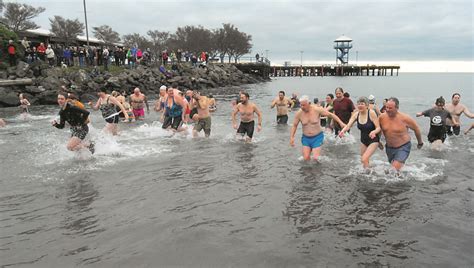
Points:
point(151, 199)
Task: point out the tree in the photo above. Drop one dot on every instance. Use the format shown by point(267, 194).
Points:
point(159, 41)
point(192, 38)
point(231, 41)
point(106, 34)
point(136, 39)
point(66, 29)
point(17, 17)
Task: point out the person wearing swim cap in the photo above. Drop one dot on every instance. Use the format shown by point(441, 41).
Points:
point(313, 135)
point(395, 125)
point(77, 119)
point(456, 109)
point(282, 103)
point(438, 117)
point(108, 106)
point(368, 124)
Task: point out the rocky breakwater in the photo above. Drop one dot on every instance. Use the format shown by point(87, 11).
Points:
point(41, 83)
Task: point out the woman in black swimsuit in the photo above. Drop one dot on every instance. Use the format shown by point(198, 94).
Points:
point(368, 124)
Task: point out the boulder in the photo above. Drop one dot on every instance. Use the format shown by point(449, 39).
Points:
point(34, 89)
point(8, 98)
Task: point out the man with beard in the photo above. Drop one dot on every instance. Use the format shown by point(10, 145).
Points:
point(246, 109)
point(282, 103)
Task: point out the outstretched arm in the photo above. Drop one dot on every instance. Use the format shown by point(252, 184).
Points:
point(468, 113)
point(324, 112)
point(117, 103)
point(349, 124)
point(146, 103)
point(377, 129)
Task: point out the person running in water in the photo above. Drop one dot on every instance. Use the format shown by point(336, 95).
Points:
point(138, 101)
point(456, 109)
point(395, 125)
point(438, 116)
point(2, 123)
point(108, 106)
point(76, 118)
point(173, 109)
point(246, 109)
point(313, 134)
point(282, 103)
point(202, 117)
point(24, 104)
point(212, 103)
point(343, 108)
point(160, 102)
point(330, 108)
point(368, 124)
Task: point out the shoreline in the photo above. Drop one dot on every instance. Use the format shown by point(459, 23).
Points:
point(46, 82)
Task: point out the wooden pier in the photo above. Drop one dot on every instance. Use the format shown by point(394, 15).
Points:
point(266, 70)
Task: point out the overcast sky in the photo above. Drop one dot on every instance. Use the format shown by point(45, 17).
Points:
point(382, 30)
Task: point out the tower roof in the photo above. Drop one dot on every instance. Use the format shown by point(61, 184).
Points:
point(343, 38)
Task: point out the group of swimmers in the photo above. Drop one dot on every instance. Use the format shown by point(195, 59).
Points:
point(338, 114)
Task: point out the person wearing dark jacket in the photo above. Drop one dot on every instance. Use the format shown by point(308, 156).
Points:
point(77, 119)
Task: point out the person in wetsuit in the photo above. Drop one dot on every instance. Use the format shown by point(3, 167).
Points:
point(368, 124)
point(77, 120)
point(438, 123)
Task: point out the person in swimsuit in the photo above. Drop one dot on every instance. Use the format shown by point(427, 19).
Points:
point(313, 135)
point(2, 123)
point(126, 105)
point(282, 103)
point(160, 102)
point(246, 109)
point(456, 109)
point(173, 109)
point(108, 106)
point(330, 108)
point(212, 103)
point(76, 118)
point(138, 101)
point(295, 103)
point(202, 116)
point(24, 104)
point(395, 125)
point(438, 117)
point(368, 124)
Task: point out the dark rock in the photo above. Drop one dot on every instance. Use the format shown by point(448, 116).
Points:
point(34, 89)
point(8, 99)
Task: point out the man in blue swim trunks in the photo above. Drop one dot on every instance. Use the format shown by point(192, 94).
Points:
point(395, 127)
point(313, 135)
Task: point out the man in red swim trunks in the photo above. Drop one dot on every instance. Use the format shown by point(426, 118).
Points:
point(138, 100)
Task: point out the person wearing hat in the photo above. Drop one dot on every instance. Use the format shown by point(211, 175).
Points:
point(50, 55)
point(372, 105)
point(438, 116)
point(160, 102)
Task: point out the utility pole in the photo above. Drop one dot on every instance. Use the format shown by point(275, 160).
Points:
point(87, 29)
point(357, 56)
point(301, 60)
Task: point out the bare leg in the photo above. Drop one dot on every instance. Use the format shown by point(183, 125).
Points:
point(316, 153)
point(397, 165)
point(367, 152)
point(111, 128)
point(306, 153)
point(436, 145)
point(76, 144)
